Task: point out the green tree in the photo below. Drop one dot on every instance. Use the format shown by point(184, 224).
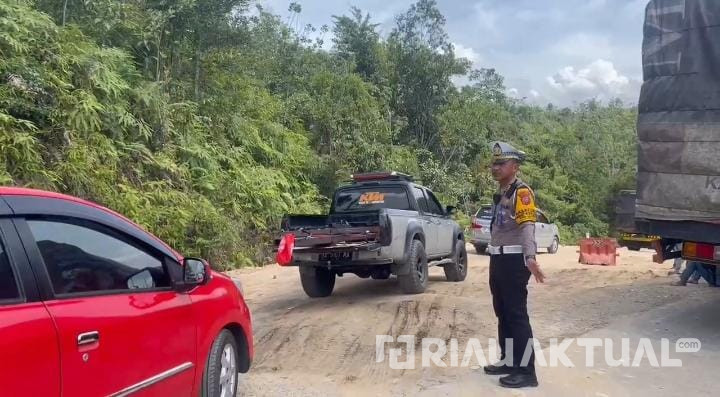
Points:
point(423, 62)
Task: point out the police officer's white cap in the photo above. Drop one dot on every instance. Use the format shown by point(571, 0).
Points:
point(503, 151)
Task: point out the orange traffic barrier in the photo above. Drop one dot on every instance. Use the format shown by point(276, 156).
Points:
point(598, 251)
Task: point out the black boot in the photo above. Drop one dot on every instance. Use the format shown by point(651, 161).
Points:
point(498, 369)
point(519, 379)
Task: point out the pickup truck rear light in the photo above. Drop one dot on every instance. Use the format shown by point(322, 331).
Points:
point(384, 236)
point(701, 252)
point(476, 223)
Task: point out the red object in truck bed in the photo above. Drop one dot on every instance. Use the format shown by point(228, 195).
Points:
point(285, 250)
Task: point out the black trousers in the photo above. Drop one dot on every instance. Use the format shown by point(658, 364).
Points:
point(508, 284)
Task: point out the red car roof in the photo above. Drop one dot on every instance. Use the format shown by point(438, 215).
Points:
point(19, 191)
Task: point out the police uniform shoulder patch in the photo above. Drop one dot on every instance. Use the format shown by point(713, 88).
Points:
point(525, 206)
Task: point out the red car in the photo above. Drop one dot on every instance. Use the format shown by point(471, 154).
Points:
point(92, 305)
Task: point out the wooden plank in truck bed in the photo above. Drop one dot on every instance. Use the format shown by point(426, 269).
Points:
point(332, 236)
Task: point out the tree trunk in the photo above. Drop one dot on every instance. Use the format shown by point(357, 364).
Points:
point(197, 75)
point(159, 58)
point(198, 56)
point(65, 4)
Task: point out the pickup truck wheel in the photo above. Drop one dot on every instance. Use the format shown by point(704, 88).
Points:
point(457, 271)
point(221, 371)
point(317, 281)
point(383, 274)
point(416, 280)
point(553, 248)
point(480, 249)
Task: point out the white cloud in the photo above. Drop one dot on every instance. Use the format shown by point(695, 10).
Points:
point(486, 17)
point(466, 52)
point(584, 46)
point(599, 80)
point(636, 9)
point(529, 96)
point(539, 15)
point(596, 4)
point(600, 73)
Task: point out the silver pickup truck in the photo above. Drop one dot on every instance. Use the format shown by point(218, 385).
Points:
point(381, 224)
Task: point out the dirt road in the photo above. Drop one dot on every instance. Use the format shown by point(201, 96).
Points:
point(326, 347)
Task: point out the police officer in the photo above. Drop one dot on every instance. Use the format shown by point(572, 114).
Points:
point(512, 260)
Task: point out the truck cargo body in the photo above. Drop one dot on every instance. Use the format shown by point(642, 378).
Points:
point(678, 181)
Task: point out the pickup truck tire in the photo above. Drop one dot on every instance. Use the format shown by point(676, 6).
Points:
point(416, 280)
point(381, 274)
point(553, 248)
point(457, 271)
point(480, 249)
point(317, 282)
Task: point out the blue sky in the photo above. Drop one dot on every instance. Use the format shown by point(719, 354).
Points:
point(559, 51)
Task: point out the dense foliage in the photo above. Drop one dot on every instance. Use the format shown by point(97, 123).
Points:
point(207, 120)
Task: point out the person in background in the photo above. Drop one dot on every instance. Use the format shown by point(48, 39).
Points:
point(694, 270)
point(677, 264)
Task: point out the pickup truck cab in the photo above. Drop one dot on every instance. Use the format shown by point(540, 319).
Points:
point(92, 305)
point(381, 224)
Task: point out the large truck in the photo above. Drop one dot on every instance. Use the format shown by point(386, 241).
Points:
point(678, 127)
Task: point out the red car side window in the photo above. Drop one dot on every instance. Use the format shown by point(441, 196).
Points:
point(82, 259)
point(8, 284)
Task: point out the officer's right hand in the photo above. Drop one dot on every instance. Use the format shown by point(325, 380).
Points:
point(535, 270)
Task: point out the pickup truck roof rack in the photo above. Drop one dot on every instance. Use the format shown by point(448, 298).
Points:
point(381, 176)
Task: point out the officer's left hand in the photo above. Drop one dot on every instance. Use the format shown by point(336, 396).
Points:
point(535, 270)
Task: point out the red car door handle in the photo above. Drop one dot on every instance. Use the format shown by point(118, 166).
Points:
point(87, 338)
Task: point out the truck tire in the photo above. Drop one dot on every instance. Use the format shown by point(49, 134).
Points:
point(480, 249)
point(416, 280)
point(457, 271)
point(382, 274)
point(317, 282)
point(553, 248)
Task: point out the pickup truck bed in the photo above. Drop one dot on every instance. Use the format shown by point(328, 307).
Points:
point(375, 229)
point(340, 232)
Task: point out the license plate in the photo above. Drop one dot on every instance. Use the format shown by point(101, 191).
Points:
point(336, 256)
point(479, 233)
